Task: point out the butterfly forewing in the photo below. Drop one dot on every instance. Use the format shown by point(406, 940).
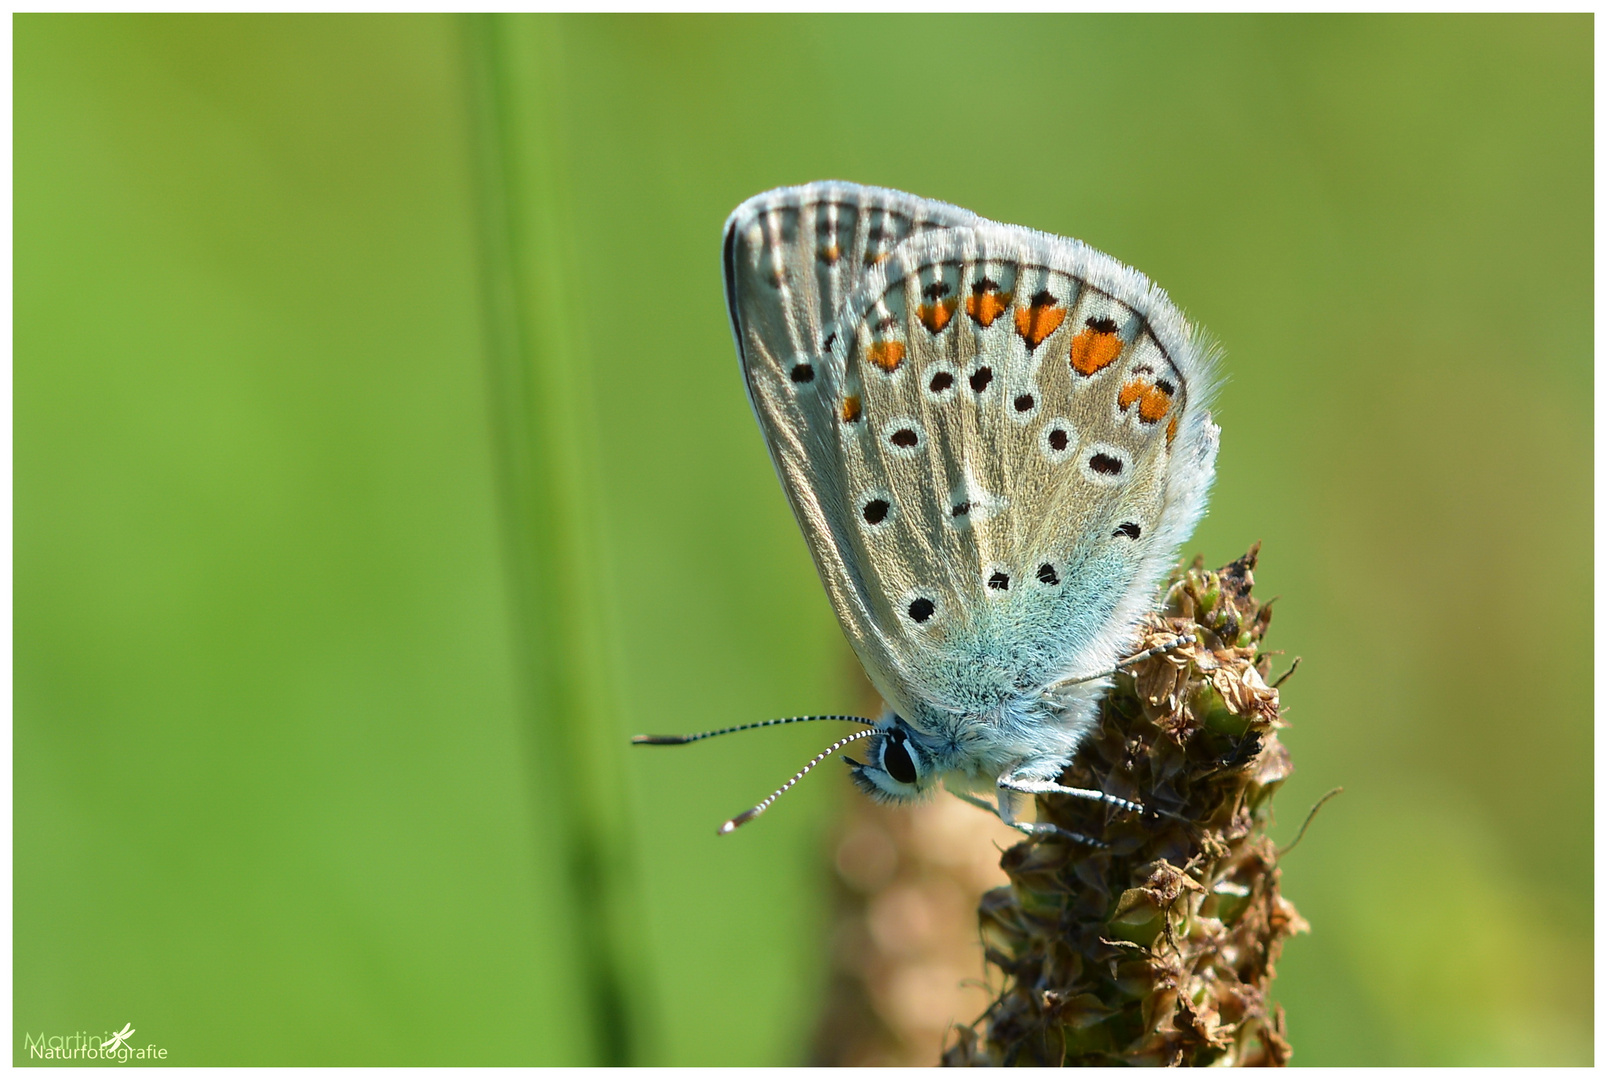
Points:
point(792, 258)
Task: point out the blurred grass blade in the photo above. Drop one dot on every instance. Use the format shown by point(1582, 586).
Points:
point(539, 410)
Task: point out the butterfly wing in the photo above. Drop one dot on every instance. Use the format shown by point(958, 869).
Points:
point(993, 439)
point(792, 258)
point(1033, 414)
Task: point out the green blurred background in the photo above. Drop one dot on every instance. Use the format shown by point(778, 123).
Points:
point(381, 463)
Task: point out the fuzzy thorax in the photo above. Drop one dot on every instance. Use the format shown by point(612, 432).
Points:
point(1034, 737)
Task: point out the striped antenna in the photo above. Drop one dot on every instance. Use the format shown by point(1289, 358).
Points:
point(748, 815)
point(677, 740)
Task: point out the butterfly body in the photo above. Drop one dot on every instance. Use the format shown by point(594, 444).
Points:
point(994, 441)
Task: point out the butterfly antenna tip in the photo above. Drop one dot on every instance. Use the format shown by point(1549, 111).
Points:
point(748, 815)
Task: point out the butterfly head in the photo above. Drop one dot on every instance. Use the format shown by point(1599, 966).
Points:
point(900, 764)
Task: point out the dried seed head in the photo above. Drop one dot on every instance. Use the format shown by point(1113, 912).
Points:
point(1159, 949)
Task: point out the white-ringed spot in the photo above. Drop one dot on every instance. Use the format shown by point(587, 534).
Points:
point(1057, 440)
point(904, 436)
point(1103, 464)
point(876, 510)
point(938, 382)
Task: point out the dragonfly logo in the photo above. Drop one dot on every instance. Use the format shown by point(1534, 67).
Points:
point(81, 1046)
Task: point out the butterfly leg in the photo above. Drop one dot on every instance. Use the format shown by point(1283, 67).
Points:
point(1123, 665)
point(1028, 785)
point(1005, 812)
point(1047, 828)
point(1036, 785)
point(980, 804)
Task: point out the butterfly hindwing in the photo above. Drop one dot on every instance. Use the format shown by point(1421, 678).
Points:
point(1023, 440)
point(993, 439)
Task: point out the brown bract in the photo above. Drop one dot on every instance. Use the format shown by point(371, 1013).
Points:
point(1157, 949)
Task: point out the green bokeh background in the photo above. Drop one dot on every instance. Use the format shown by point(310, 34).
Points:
point(381, 463)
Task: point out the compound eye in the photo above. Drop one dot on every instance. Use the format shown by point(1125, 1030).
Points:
point(896, 759)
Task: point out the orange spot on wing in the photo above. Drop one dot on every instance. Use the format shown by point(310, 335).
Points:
point(936, 316)
point(886, 355)
point(874, 257)
point(1131, 392)
point(851, 408)
point(986, 306)
point(1155, 404)
point(1092, 351)
point(830, 253)
point(1171, 431)
point(1037, 322)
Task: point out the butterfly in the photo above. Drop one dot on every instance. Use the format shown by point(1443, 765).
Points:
point(994, 440)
